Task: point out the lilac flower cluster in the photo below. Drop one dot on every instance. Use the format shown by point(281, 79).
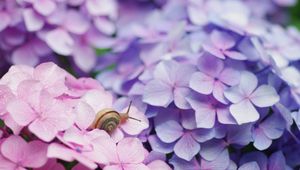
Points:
point(34, 31)
point(219, 83)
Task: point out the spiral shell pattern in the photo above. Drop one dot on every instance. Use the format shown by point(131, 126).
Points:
point(108, 120)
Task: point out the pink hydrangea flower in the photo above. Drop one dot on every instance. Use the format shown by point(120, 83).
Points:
point(15, 153)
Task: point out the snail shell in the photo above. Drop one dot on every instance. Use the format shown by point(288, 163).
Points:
point(107, 119)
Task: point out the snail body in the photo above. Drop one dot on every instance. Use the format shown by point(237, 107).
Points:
point(109, 119)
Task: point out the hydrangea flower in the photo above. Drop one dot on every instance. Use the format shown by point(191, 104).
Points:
point(15, 153)
point(246, 94)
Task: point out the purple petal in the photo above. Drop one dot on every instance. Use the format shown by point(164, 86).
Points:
point(273, 127)
point(264, 96)
point(220, 163)
point(25, 55)
point(210, 65)
point(5, 20)
point(62, 45)
point(210, 150)
point(230, 76)
point(261, 141)
point(84, 57)
point(235, 55)
point(277, 161)
point(158, 93)
point(159, 146)
point(244, 112)
point(234, 94)
point(180, 94)
point(218, 92)
point(75, 22)
point(33, 21)
point(169, 131)
point(181, 164)
point(249, 166)
point(202, 83)
point(239, 134)
point(44, 7)
point(186, 148)
point(225, 117)
point(256, 156)
point(214, 51)
point(222, 40)
point(248, 83)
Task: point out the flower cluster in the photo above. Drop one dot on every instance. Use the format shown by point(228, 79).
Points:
point(218, 81)
point(54, 112)
point(33, 31)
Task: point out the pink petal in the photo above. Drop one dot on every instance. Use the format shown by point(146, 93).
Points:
point(85, 115)
point(30, 91)
point(61, 152)
point(13, 148)
point(13, 125)
point(98, 99)
point(6, 96)
point(21, 112)
point(52, 164)
point(105, 150)
point(135, 167)
point(15, 75)
point(33, 21)
point(113, 167)
point(75, 22)
point(158, 165)
point(222, 40)
point(44, 7)
point(133, 127)
point(158, 93)
point(38, 154)
point(130, 150)
point(5, 20)
point(52, 77)
point(186, 148)
point(244, 112)
point(6, 164)
point(44, 130)
point(74, 135)
point(202, 83)
point(62, 45)
point(117, 135)
point(264, 96)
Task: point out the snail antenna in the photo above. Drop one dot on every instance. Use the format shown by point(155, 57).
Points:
point(134, 119)
point(128, 112)
point(129, 107)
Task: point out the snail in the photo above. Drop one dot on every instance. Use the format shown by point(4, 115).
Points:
point(109, 119)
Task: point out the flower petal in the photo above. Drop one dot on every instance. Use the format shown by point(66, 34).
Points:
point(222, 40)
point(33, 21)
point(62, 45)
point(264, 96)
point(38, 154)
point(130, 150)
point(186, 148)
point(249, 165)
point(157, 93)
point(21, 112)
point(202, 83)
point(261, 141)
point(169, 131)
point(244, 112)
point(44, 7)
point(13, 148)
